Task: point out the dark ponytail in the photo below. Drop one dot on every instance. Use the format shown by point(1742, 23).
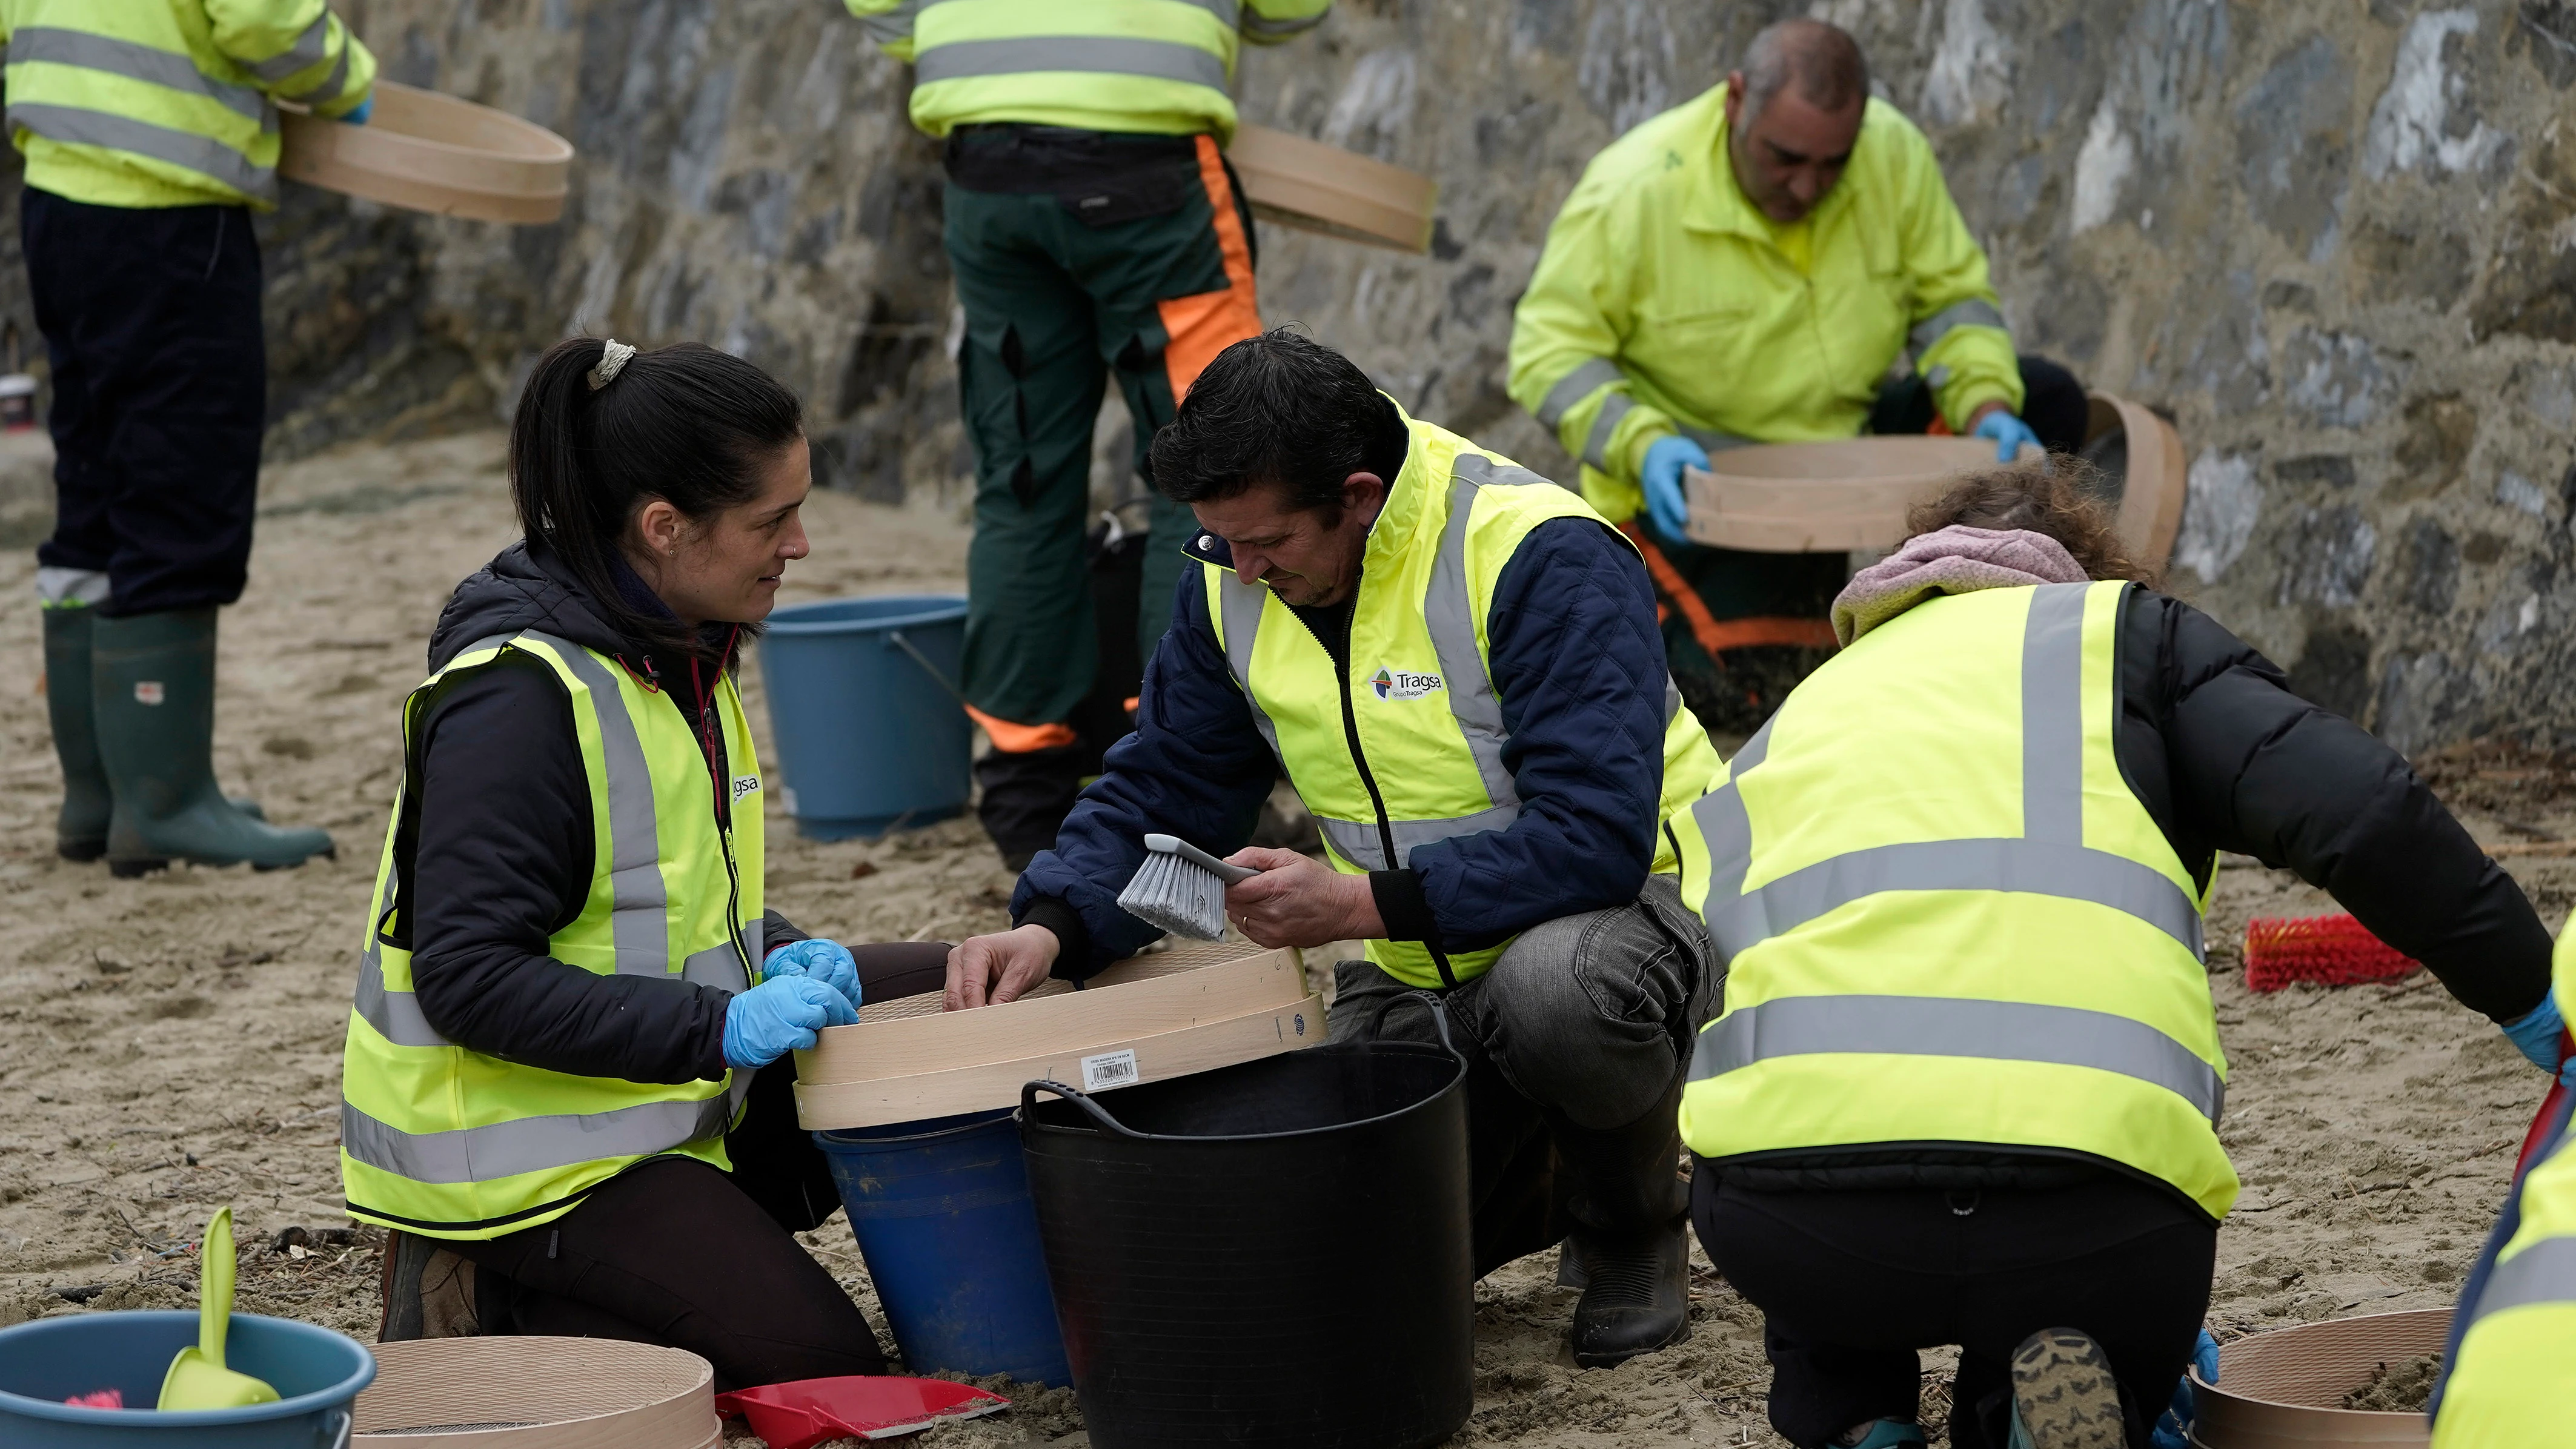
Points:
point(686, 424)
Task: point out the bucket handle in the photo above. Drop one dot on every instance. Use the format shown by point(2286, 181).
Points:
point(1029, 1106)
point(337, 1429)
point(894, 637)
point(1431, 1002)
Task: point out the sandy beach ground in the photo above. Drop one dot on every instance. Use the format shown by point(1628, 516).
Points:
point(173, 1043)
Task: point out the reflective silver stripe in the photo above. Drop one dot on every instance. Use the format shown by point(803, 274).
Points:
point(2052, 716)
point(396, 1015)
point(537, 1144)
point(1574, 387)
point(2002, 863)
point(329, 89)
point(1596, 444)
point(1243, 605)
point(1357, 841)
point(1727, 829)
point(202, 154)
point(894, 26)
point(1713, 442)
point(1115, 55)
point(1227, 12)
point(716, 966)
point(1448, 611)
point(2545, 1272)
point(1269, 29)
point(1974, 312)
point(51, 45)
point(1940, 1026)
point(309, 50)
point(639, 914)
point(1672, 699)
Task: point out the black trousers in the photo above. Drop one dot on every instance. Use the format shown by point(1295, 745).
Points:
point(2052, 403)
point(1851, 1283)
point(151, 318)
point(674, 1252)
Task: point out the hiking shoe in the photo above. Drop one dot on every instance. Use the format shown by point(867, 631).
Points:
point(428, 1291)
point(2063, 1395)
point(1882, 1434)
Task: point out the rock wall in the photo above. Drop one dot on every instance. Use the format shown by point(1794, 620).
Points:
point(2332, 237)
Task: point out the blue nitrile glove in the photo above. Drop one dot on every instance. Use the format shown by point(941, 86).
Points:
point(1665, 507)
point(2538, 1034)
point(359, 116)
point(825, 961)
point(779, 1016)
point(2007, 432)
point(2173, 1430)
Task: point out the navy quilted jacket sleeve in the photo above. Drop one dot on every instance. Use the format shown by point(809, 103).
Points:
point(1578, 664)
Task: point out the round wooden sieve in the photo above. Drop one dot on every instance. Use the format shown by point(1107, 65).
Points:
point(538, 1393)
point(426, 151)
point(1314, 187)
point(2280, 1390)
point(1827, 497)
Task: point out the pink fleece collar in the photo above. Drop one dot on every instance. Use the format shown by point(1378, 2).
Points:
point(1953, 560)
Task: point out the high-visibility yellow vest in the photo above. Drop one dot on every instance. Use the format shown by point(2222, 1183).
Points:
point(1405, 748)
point(1945, 915)
point(440, 1139)
point(2513, 1383)
point(149, 103)
point(1163, 67)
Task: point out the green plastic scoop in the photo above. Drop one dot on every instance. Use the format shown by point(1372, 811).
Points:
point(197, 1377)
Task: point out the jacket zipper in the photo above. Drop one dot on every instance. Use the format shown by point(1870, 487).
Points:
point(724, 821)
point(1368, 780)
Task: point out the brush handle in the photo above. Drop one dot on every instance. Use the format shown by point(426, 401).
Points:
point(1174, 845)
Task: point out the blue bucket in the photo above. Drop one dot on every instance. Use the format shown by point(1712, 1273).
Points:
point(316, 1372)
point(863, 698)
point(942, 1213)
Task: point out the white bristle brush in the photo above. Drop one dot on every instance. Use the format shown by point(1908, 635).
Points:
point(1181, 888)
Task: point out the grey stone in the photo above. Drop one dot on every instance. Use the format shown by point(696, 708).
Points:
point(2294, 142)
point(2335, 378)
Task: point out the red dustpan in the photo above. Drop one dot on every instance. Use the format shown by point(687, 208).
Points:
point(806, 1412)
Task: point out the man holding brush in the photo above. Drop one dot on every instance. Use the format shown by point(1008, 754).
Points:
point(1457, 664)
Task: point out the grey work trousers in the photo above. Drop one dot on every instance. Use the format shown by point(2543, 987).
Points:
point(1582, 1026)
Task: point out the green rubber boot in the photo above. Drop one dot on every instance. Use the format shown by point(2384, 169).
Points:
point(152, 688)
point(80, 828)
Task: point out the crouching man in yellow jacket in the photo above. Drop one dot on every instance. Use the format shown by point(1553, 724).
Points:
point(1747, 268)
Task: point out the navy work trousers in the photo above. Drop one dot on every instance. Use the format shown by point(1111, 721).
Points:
point(151, 318)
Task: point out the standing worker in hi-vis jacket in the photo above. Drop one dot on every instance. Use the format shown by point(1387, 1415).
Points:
point(150, 132)
point(1093, 227)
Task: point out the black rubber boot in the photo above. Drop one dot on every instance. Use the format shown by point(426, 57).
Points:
point(80, 828)
point(1026, 797)
point(152, 691)
point(1632, 1224)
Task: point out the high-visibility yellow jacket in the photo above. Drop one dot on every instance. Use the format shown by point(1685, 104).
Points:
point(1158, 66)
point(440, 1139)
point(1664, 302)
point(1405, 746)
point(2513, 1382)
point(1946, 917)
point(150, 103)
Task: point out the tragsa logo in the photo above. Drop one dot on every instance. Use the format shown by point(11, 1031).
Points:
point(1396, 684)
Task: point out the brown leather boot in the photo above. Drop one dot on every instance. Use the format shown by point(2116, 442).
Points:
point(428, 1291)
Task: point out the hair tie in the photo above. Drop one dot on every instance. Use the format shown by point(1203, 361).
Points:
point(612, 361)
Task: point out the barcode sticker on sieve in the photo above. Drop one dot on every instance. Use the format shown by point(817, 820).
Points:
point(1109, 1069)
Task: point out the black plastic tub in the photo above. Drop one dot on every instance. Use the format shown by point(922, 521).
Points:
point(1275, 1253)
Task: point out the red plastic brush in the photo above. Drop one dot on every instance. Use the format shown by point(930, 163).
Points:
point(2328, 950)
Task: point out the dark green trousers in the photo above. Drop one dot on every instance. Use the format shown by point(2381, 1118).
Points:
point(1079, 257)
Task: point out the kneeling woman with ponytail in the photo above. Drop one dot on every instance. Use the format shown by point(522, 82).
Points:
point(566, 1085)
